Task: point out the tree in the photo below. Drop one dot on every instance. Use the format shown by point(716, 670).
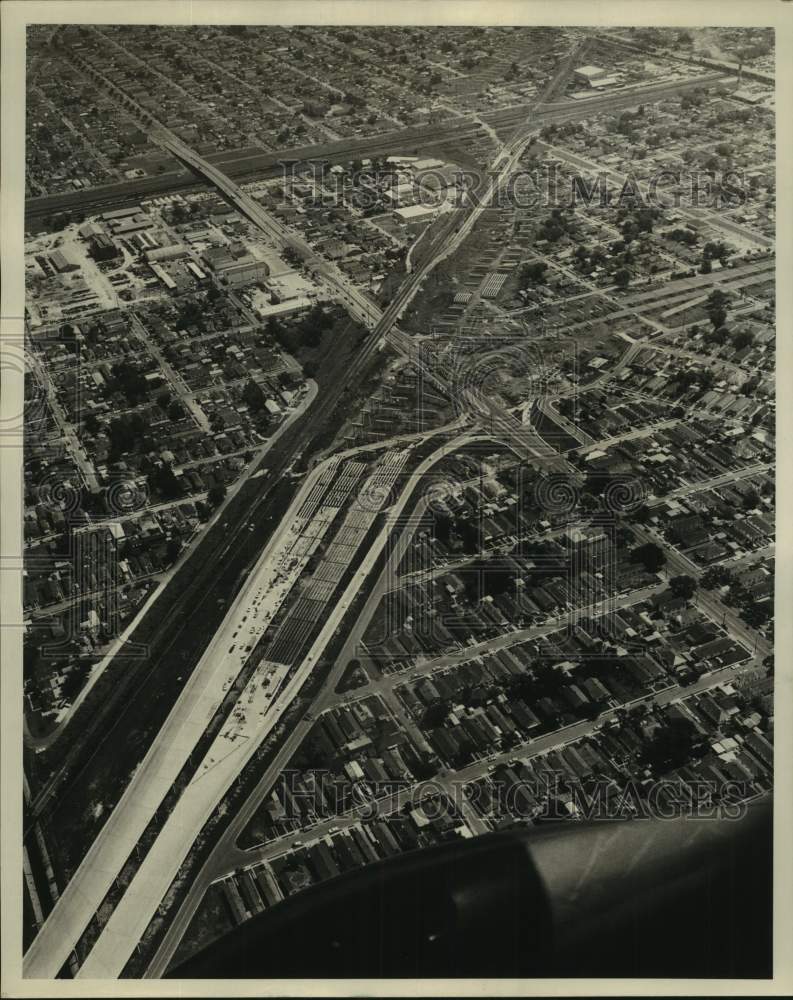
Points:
point(718, 317)
point(126, 433)
point(716, 307)
point(716, 576)
point(533, 273)
point(751, 499)
point(683, 586)
point(641, 515)
point(253, 396)
point(92, 424)
point(717, 336)
point(164, 481)
point(173, 548)
point(756, 615)
point(742, 339)
point(130, 382)
point(435, 715)
point(650, 556)
point(671, 746)
point(175, 410)
point(717, 250)
point(622, 278)
point(216, 494)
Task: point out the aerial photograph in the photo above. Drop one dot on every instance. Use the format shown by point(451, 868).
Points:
point(398, 502)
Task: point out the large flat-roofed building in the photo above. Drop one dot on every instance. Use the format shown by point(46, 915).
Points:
point(166, 253)
point(428, 163)
point(103, 248)
point(131, 224)
point(243, 271)
point(122, 213)
point(588, 74)
point(604, 81)
point(163, 275)
point(414, 215)
point(290, 285)
point(60, 262)
point(236, 270)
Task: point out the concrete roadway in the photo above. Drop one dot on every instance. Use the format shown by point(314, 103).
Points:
point(75, 908)
point(382, 323)
point(98, 669)
point(184, 727)
point(227, 857)
point(723, 479)
point(218, 862)
point(741, 273)
point(324, 698)
point(250, 161)
point(150, 884)
point(388, 682)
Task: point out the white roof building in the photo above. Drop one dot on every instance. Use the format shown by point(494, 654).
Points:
point(415, 213)
point(428, 164)
point(589, 73)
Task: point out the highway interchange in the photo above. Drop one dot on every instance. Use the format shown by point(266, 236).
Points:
point(272, 577)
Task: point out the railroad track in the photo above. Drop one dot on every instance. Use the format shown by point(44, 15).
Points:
point(263, 165)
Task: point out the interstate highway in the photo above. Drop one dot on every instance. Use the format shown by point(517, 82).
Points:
point(249, 163)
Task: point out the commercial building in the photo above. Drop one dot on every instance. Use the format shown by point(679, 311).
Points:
point(89, 229)
point(604, 81)
point(131, 225)
point(240, 270)
point(290, 286)
point(414, 215)
point(588, 74)
point(103, 248)
point(427, 163)
point(171, 252)
point(163, 275)
point(60, 263)
point(122, 213)
point(244, 271)
point(403, 193)
point(196, 270)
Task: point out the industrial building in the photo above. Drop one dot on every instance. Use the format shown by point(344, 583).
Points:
point(588, 74)
point(103, 248)
point(414, 215)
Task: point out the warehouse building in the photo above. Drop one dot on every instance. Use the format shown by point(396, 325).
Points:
point(414, 215)
point(588, 74)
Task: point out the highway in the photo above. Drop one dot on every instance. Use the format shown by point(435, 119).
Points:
point(323, 699)
point(44, 795)
point(203, 692)
point(149, 885)
point(266, 587)
point(246, 164)
point(382, 322)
